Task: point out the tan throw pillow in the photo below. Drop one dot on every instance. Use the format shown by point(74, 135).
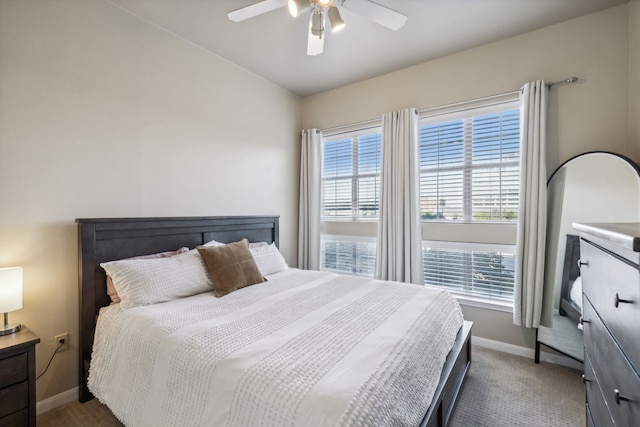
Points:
point(231, 267)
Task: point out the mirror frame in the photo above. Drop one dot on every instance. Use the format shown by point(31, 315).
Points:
point(636, 167)
point(621, 156)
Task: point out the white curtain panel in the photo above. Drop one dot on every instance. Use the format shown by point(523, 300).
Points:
point(532, 215)
point(310, 200)
point(399, 248)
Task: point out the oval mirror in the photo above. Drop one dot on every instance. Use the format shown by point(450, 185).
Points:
point(591, 187)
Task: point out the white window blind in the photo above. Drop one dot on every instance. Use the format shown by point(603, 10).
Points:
point(346, 254)
point(472, 270)
point(351, 175)
point(469, 166)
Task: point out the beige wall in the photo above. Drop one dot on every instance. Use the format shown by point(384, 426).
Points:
point(634, 78)
point(589, 115)
point(104, 115)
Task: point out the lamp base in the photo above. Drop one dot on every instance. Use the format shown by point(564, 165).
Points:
point(9, 329)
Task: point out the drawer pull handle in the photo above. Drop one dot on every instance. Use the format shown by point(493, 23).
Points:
point(584, 379)
point(618, 300)
point(583, 320)
point(581, 263)
point(619, 398)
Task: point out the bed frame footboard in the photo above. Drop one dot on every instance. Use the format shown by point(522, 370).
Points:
point(453, 375)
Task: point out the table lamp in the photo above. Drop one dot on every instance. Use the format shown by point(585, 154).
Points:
point(10, 296)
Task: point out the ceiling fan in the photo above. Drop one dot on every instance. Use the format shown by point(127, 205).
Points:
point(319, 10)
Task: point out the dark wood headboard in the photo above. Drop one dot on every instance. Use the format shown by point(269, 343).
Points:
point(107, 239)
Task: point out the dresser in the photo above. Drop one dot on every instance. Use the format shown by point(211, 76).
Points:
point(609, 265)
point(17, 378)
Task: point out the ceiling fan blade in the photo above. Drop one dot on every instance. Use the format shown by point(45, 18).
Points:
point(255, 9)
point(315, 43)
point(376, 13)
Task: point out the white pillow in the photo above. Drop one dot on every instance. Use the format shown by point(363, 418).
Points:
point(150, 281)
point(269, 259)
point(251, 245)
point(214, 243)
point(576, 292)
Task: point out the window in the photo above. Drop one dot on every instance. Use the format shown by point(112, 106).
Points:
point(350, 201)
point(351, 176)
point(469, 192)
point(469, 168)
point(348, 254)
point(483, 271)
point(469, 199)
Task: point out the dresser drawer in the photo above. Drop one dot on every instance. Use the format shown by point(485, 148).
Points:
point(619, 383)
point(597, 410)
point(16, 419)
point(605, 280)
point(13, 369)
point(14, 398)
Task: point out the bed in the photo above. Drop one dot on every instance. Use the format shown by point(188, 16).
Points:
point(103, 240)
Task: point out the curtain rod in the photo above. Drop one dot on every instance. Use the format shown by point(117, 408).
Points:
point(376, 122)
point(469, 101)
point(568, 81)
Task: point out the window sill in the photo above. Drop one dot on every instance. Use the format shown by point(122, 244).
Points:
point(348, 219)
point(483, 303)
point(488, 304)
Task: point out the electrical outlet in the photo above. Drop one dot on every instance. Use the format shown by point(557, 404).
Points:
point(63, 340)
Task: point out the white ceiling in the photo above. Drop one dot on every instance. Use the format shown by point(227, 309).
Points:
point(274, 45)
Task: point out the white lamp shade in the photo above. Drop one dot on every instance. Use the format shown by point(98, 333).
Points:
point(296, 7)
point(10, 289)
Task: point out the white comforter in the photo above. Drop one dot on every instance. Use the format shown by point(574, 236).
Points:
point(305, 348)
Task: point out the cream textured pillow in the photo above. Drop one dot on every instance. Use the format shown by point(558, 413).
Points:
point(150, 281)
point(111, 290)
point(269, 259)
point(251, 244)
point(231, 267)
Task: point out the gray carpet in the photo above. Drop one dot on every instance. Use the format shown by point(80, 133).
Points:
point(500, 390)
point(506, 390)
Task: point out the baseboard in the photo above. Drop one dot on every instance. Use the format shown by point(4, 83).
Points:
point(556, 359)
point(45, 405)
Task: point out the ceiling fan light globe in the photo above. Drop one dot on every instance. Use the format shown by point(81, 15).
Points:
point(335, 19)
point(296, 6)
point(324, 3)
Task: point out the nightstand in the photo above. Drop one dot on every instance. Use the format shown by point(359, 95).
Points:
point(18, 378)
